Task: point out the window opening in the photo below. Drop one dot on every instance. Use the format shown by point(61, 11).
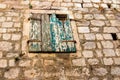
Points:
point(114, 36)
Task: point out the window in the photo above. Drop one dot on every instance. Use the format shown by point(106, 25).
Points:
point(51, 33)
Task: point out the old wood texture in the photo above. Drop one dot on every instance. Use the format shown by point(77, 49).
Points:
point(35, 34)
point(46, 44)
point(51, 34)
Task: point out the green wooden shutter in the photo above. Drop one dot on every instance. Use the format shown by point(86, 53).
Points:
point(49, 34)
point(35, 33)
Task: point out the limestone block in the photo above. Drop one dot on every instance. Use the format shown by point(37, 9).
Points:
point(96, 1)
point(100, 71)
point(93, 61)
point(83, 30)
point(2, 19)
point(16, 36)
point(78, 5)
point(89, 36)
point(3, 6)
point(6, 36)
point(110, 16)
point(87, 53)
point(109, 52)
point(77, 1)
point(116, 61)
point(115, 22)
point(78, 16)
point(107, 44)
point(12, 73)
point(107, 1)
point(88, 16)
point(12, 62)
point(5, 46)
point(107, 36)
point(87, 5)
point(115, 71)
point(7, 24)
point(110, 30)
point(48, 62)
point(25, 63)
point(99, 53)
point(3, 63)
point(79, 62)
point(86, 0)
point(108, 61)
point(99, 16)
point(97, 23)
point(89, 45)
point(99, 36)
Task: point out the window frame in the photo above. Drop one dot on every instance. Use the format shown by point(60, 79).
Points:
point(26, 25)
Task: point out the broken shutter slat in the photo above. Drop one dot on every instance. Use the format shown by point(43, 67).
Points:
point(69, 36)
point(35, 30)
point(46, 45)
point(61, 34)
point(54, 33)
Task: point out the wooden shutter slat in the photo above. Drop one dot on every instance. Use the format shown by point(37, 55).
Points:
point(46, 44)
point(69, 36)
point(35, 30)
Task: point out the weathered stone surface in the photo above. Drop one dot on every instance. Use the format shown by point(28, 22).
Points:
point(87, 5)
point(94, 78)
point(12, 55)
point(7, 24)
point(89, 36)
point(96, 1)
point(1, 54)
point(107, 36)
point(78, 16)
point(115, 71)
point(86, 0)
point(89, 45)
point(100, 71)
point(79, 62)
point(3, 6)
point(99, 16)
point(108, 61)
point(109, 52)
point(6, 36)
point(115, 22)
point(87, 53)
point(77, 1)
point(88, 16)
point(116, 61)
point(110, 16)
point(3, 63)
point(12, 73)
point(99, 37)
point(5, 46)
point(110, 29)
point(78, 5)
point(25, 63)
point(16, 36)
point(83, 30)
point(48, 62)
point(99, 53)
point(12, 13)
point(97, 22)
point(30, 73)
point(107, 1)
point(93, 61)
point(2, 19)
point(12, 62)
point(107, 44)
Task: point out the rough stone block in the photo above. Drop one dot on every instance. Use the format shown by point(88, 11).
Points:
point(96, 1)
point(115, 22)
point(109, 52)
point(115, 71)
point(6, 36)
point(97, 23)
point(5, 46)
point(25, 63)
point(89, 36)
point(93, 61)
point(99, 16)
point(3, 63)
point(87, 5)
point(77, 1)
point(79, 62)
point(7, 24)
point(12, 73)
point(108, 61)
point(16, 36)
point(2, 19)
point(116, 61)
point(87, 53)
point(83, 30)
point(3, 6)
point(78, 16)
point(88, 16)
point(12, 62)
point(107, 44)
point(110, 30)
point(100, 71)
point(99, 36)
point(89, 45)
point(107, 36)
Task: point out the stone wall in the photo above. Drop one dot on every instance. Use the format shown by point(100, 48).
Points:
point(98, 53)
